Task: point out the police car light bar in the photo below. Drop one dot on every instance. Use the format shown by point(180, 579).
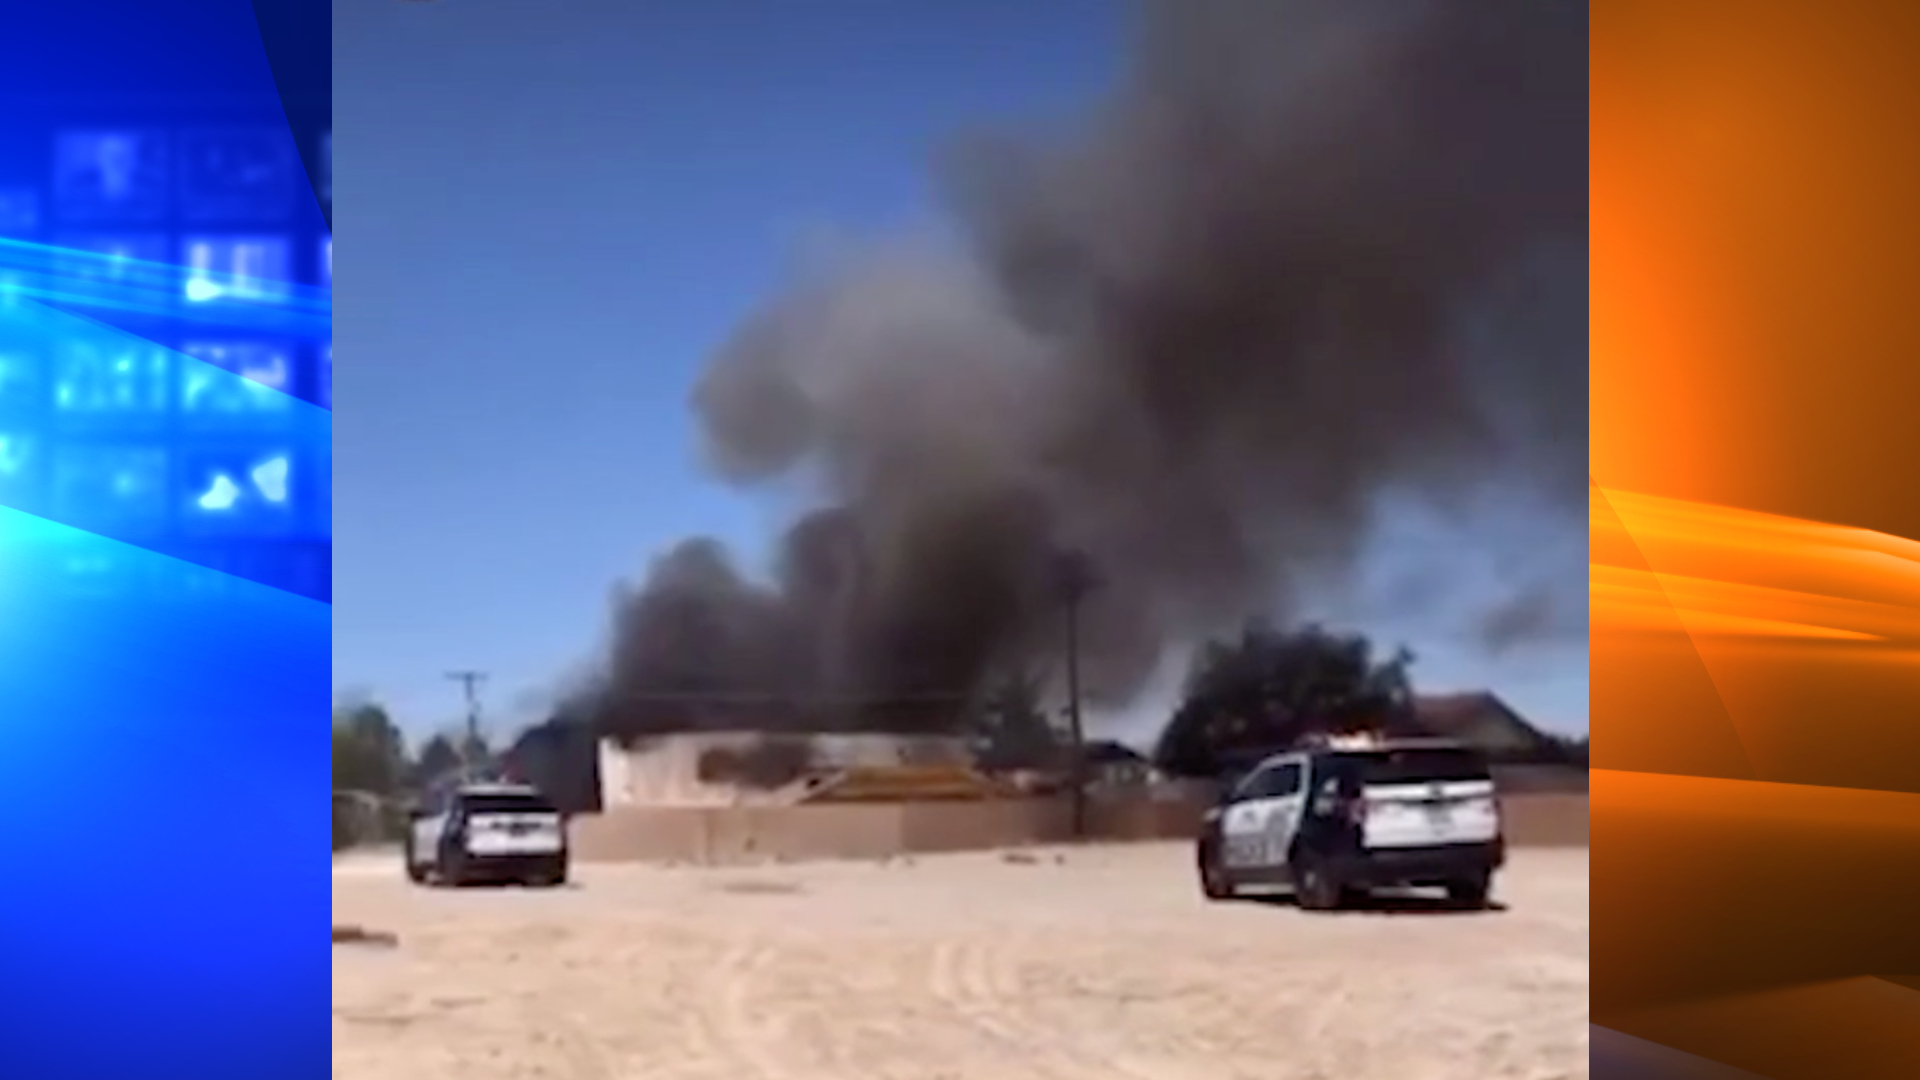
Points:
point(1358, 740)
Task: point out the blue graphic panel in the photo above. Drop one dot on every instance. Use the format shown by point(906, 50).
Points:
point(165, 538)
point(244, 174)
point(119, 175)
point(163, 752)
point(201, 451)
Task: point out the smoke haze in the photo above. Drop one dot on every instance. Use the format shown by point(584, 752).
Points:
point(1305, 255)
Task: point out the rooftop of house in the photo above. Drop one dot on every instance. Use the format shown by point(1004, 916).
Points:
point(1110, 752)
point(1477, 717)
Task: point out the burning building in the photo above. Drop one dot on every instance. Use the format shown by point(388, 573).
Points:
point(1304, 256)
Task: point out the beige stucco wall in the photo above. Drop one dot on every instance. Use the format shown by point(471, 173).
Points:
point(735, 834)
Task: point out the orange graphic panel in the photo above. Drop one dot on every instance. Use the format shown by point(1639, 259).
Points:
point(1755, 576)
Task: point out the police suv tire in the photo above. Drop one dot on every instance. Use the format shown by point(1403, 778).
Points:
point(552, 878)
point(1317, 890)
point(1215, 883)
point(1471, 892)
point(416, 872)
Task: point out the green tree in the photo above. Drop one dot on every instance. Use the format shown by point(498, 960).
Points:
point(369, 769)
point(1269, 687)
point(369, 753)
point(439, 757)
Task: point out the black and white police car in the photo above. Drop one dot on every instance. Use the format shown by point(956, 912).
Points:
point(492, 832)
point(1341, 817)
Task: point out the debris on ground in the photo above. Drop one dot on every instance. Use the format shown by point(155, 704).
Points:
point(360, 935)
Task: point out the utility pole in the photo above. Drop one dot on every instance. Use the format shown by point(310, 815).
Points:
point(470, 682)
point(1075, 579)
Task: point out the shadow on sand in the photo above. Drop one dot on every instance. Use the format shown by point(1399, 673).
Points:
point(1384, 903)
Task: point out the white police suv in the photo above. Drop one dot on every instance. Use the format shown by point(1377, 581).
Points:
point(487, 832)
point(1334, 820)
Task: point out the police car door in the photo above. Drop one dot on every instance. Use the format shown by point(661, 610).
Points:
point(1259, 824)
point(1283, 798)
point(428, 826)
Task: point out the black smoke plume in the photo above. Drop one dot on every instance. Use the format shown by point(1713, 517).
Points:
point(1307, 254)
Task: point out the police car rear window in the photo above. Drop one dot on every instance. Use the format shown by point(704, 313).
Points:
point(505, 803)
point(1413, 766)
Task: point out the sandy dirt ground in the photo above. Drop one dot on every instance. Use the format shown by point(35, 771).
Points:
point(1093, 963)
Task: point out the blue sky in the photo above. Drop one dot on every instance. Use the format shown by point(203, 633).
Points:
point(550, 213)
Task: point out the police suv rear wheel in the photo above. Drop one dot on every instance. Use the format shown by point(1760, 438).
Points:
point(416, 870)
point(1471, 892)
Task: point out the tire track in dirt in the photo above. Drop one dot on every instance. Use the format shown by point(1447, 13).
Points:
point(952, 983)
point(979, 980)
point(570, 1037)
point(746, 1038)
point(697, 1055)
point(959, 970)
point(778, 1008)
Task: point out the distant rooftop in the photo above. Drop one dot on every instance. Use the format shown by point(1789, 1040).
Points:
point(1478, 717)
